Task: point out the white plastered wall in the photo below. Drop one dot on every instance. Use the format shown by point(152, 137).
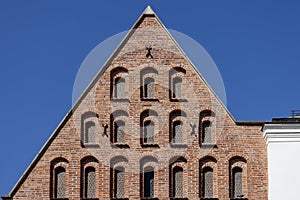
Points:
point(283, 142)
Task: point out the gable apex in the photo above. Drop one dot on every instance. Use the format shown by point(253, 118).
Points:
point(149, 11)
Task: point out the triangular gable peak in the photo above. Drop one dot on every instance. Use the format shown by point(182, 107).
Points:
point(148, 47)
point(148, 11)
point(143, 31)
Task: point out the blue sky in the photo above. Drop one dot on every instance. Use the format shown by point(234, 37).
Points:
point(255, 45)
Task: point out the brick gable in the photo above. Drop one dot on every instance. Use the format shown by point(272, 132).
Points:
point(233, 144)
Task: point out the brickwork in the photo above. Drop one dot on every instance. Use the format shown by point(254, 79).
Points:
point(230, 139)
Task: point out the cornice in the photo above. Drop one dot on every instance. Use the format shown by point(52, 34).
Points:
point(281, 133)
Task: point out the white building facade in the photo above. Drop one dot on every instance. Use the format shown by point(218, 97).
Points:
point(283, 140)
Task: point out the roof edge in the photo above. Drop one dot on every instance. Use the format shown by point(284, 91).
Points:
point(195, 68)
point(6, 197)
point(250, 123)
point(38, 156)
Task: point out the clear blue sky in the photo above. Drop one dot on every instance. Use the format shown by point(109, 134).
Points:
point(255, 45)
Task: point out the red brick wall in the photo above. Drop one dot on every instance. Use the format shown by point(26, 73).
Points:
point(231, 139)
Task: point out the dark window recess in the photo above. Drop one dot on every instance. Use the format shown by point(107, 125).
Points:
point(119, 183)
point(178, 182)
point(119, 131)
point(206, 132)
point(149, 87)
point(119, 88)
point(90, 182)
point(148, 132)
point(177, 132)
point(90, 132)
point(149, 183)
point(177, 84)
point(237, 182)
point(60, 182)
point(207, 183)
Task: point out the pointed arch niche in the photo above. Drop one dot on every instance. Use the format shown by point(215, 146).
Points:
point(148, 176)
point(119, 177)
point(148, 127)
point(177, 84)
point(208, 178)
point(119, 84)
point(238, 178)
point(59, 178)
point(177, 129)
point(148, 78)
point(88, 178)
point(207, 129)
point(119, 123)
point(178, 177)
point(90, 130)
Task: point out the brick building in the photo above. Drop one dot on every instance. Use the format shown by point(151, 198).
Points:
point(149, 127)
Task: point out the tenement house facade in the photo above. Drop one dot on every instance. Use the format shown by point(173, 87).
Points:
point(148, 127)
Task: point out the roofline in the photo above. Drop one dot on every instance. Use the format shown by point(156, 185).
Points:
point(282, 122)
point(250, 123)
point(92, 83)
point(38, 156)
point(195, 68)
point(6, 197)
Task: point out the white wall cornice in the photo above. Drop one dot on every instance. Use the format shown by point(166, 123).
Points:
point(281, 133)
